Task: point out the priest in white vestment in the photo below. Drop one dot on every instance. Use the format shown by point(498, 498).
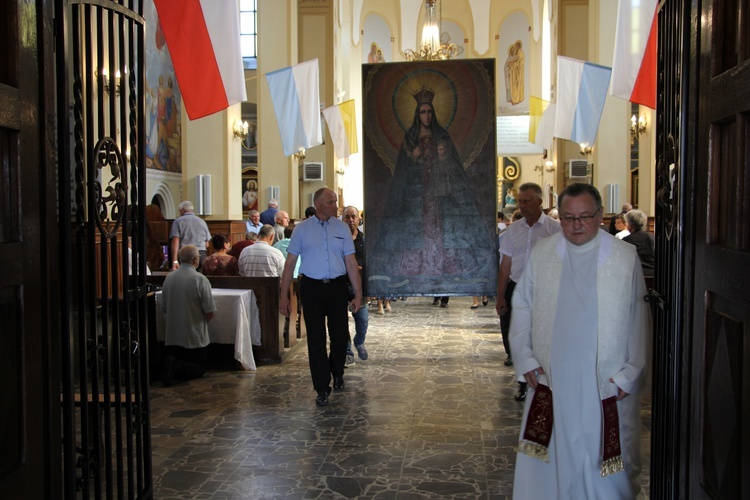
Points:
point(581, 327)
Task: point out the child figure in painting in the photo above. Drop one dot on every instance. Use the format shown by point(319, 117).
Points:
point(442, 176)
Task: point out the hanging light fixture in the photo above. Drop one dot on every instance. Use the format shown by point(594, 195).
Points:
point(431, 29)
point(431, 48)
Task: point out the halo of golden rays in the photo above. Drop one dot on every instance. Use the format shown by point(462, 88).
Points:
point(463, 102)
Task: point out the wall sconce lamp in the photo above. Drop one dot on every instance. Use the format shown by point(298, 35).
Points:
point(240, 129)
point(300, 156)
point(586, 149)
point(637, 126)
point(105, 81)
point(549, 166)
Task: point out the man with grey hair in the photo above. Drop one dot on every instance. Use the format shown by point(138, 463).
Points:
point(253, 224)
point(261, 259)
point(327, 250)
point(580, 335)
point(516, 245)
point(282, 222)
point(188, 305)
point(188, 229)
point(268, 216)
point(642, 239)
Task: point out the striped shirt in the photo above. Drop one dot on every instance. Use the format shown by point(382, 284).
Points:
point(261, 260)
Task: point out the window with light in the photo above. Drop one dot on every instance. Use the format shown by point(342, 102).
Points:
point(249, 33)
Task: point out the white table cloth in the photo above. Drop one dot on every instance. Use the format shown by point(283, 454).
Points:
point(236, 321)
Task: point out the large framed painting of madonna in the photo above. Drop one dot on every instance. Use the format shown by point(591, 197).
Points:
point(430, 178)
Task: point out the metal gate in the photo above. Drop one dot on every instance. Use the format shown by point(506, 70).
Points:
point(104, 365)
point(666, 296)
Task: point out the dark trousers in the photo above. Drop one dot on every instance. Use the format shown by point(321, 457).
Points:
point(505, 318)
point(190, 363)
point(320, 302)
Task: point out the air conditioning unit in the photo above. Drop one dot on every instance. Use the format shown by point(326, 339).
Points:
point(312, 171)
point(578, 168)
point(203, 194)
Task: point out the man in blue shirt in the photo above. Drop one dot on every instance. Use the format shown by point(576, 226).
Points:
point(327, 250)
point(268, 216)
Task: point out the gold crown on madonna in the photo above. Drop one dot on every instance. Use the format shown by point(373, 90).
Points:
point(424, 95)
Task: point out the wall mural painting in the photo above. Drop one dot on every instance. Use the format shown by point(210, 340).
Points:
point(163, 130)
point(430, 180)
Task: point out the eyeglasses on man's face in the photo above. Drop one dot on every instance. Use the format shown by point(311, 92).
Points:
point(583, 219)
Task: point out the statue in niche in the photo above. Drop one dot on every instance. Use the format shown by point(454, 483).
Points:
point(514, 73)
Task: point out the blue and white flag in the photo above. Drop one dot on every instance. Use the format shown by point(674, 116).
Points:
point(296, 99)
point(581, 92)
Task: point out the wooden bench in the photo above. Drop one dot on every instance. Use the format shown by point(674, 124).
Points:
point(274, 346)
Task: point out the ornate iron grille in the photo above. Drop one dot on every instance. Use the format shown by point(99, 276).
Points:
point(666, 296)
point(105, 378)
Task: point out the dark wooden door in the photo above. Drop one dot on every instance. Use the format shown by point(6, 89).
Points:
point(715, 421)
point(29, 398)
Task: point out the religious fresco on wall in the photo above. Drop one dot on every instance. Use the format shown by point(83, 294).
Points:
point(430, 178)
point(163, 111)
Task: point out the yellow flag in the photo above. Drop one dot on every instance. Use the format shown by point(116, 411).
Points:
point(342, 125)
point(536, 109)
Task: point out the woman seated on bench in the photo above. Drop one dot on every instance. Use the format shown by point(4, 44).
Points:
point(220, 263)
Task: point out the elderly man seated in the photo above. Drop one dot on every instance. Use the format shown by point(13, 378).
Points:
point(282, 222)
point(238, 247)
point(261, 259)
point(642, 239)
point(187, 302)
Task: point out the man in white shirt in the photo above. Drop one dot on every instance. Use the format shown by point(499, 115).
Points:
point(261, 259)
point(515, 248)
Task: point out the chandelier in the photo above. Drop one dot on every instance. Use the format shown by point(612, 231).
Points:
point(432, 47)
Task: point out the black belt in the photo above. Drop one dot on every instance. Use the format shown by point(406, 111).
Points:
point(327, 280)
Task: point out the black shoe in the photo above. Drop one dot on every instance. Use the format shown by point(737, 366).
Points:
point(435, 301)
point(338, 383)
point(485, 302)
point(521, 394)
point(168, 370)
point(322, 398)
point(508, 361)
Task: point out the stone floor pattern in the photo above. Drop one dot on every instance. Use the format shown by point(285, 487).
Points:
point(430, 414)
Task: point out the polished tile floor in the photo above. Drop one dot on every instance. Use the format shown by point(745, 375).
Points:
point(429, 415)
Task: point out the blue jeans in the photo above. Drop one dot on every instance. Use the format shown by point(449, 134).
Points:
point(361, 320)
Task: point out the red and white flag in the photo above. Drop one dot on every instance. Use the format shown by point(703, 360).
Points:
point(634, 65)
point(203, 37)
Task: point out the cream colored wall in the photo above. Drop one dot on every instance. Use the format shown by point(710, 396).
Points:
point(209, 147)
point(315, 41)
point(277, 48)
